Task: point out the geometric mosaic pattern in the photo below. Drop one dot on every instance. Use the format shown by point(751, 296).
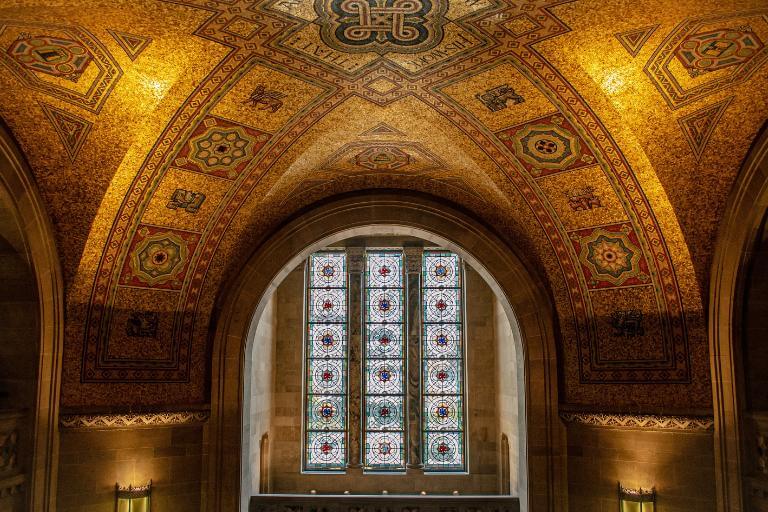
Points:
point(616, 275)
point(71, 129)
point(699, 125)
point(547, 146)
point(717, 49)
point(633, 40)
point(132, 44)
point(610, 256)
point(383, 27)
point(715, 52)
point(220, 148)
point(43, 51)
point(158, 258)
point(51, 55)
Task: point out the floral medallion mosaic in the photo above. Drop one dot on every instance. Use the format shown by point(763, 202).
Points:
point(610, 256)
point(547, 146)
point(220, 148)
point(158, 258)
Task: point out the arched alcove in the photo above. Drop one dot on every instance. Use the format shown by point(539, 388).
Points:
point(736, 272)
point(273, 397)
point(31, 292)
point(524, 301)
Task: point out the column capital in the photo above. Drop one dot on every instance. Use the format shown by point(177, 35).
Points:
point(413, 259)
point(356, 259)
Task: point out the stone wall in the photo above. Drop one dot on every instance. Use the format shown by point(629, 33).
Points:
point(507, 397)
point(261, 407)
point(286, 431)
point(679, 464)
point(91, 462)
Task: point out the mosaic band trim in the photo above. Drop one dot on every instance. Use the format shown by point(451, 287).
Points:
point(159, 419)
point(647, 422)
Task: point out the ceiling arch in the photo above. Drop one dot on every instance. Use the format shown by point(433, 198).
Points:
point(168, 138)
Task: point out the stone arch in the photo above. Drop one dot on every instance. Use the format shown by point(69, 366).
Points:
point(528, 308)
point(738, 232)
point(38, 246)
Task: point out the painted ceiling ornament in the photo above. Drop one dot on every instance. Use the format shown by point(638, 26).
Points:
point(381, 26)
point(717, 49)
point(383, 158)
point(547, 145)
point(220, 149)
point(53, 56)
point(66, 62)
point(611, 256)
point(159, 258)
point(709, 53)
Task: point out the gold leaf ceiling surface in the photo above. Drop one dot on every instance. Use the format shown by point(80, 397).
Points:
point(600, 138)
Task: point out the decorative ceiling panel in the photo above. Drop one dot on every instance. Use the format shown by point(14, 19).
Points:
point(599, 143)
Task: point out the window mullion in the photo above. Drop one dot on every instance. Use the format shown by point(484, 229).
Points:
point(356, 265)
point(413, 256)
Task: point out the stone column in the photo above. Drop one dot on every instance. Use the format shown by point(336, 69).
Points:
point(413, 284)
point(355, 269)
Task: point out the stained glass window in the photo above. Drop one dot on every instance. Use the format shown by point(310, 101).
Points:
point(384, 363)
point(442, 363)
point(325, 427)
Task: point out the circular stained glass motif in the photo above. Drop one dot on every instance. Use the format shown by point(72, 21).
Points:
point(384, 413)
point(442, 341)
point(326, 413)
point(441, 271)
point(442, 305)
point(328, 305)
point(383, 377)
point(384, 306)
point(444, 450)
point(327, 340)
point(325, 449)
point(383, 449)
point(385, 270)
point(384, 341)
point(442, 377)
point(384, 374)
point(328, 270)
point(327, 376)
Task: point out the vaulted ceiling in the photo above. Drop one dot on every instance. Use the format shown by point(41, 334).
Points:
point(599, 138)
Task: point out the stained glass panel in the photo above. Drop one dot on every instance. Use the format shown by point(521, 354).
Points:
point(443, 419)
point(384, 366)
point(384, 341)
point(384, 450)
point(444, 451)
point(326, 385)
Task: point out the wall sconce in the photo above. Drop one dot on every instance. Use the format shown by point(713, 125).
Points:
point(133, 499)
point(637, 500)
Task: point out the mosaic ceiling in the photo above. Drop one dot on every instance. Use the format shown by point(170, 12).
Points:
point(600, 138)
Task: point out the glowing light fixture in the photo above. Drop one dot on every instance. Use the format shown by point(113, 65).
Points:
point(637, 500)
point(133, 499)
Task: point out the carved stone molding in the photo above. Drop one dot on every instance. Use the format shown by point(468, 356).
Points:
point(159, 419)
point(644, 422)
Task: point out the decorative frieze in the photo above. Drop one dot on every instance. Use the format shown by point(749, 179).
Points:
point(645, 422)
point(102, 421)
